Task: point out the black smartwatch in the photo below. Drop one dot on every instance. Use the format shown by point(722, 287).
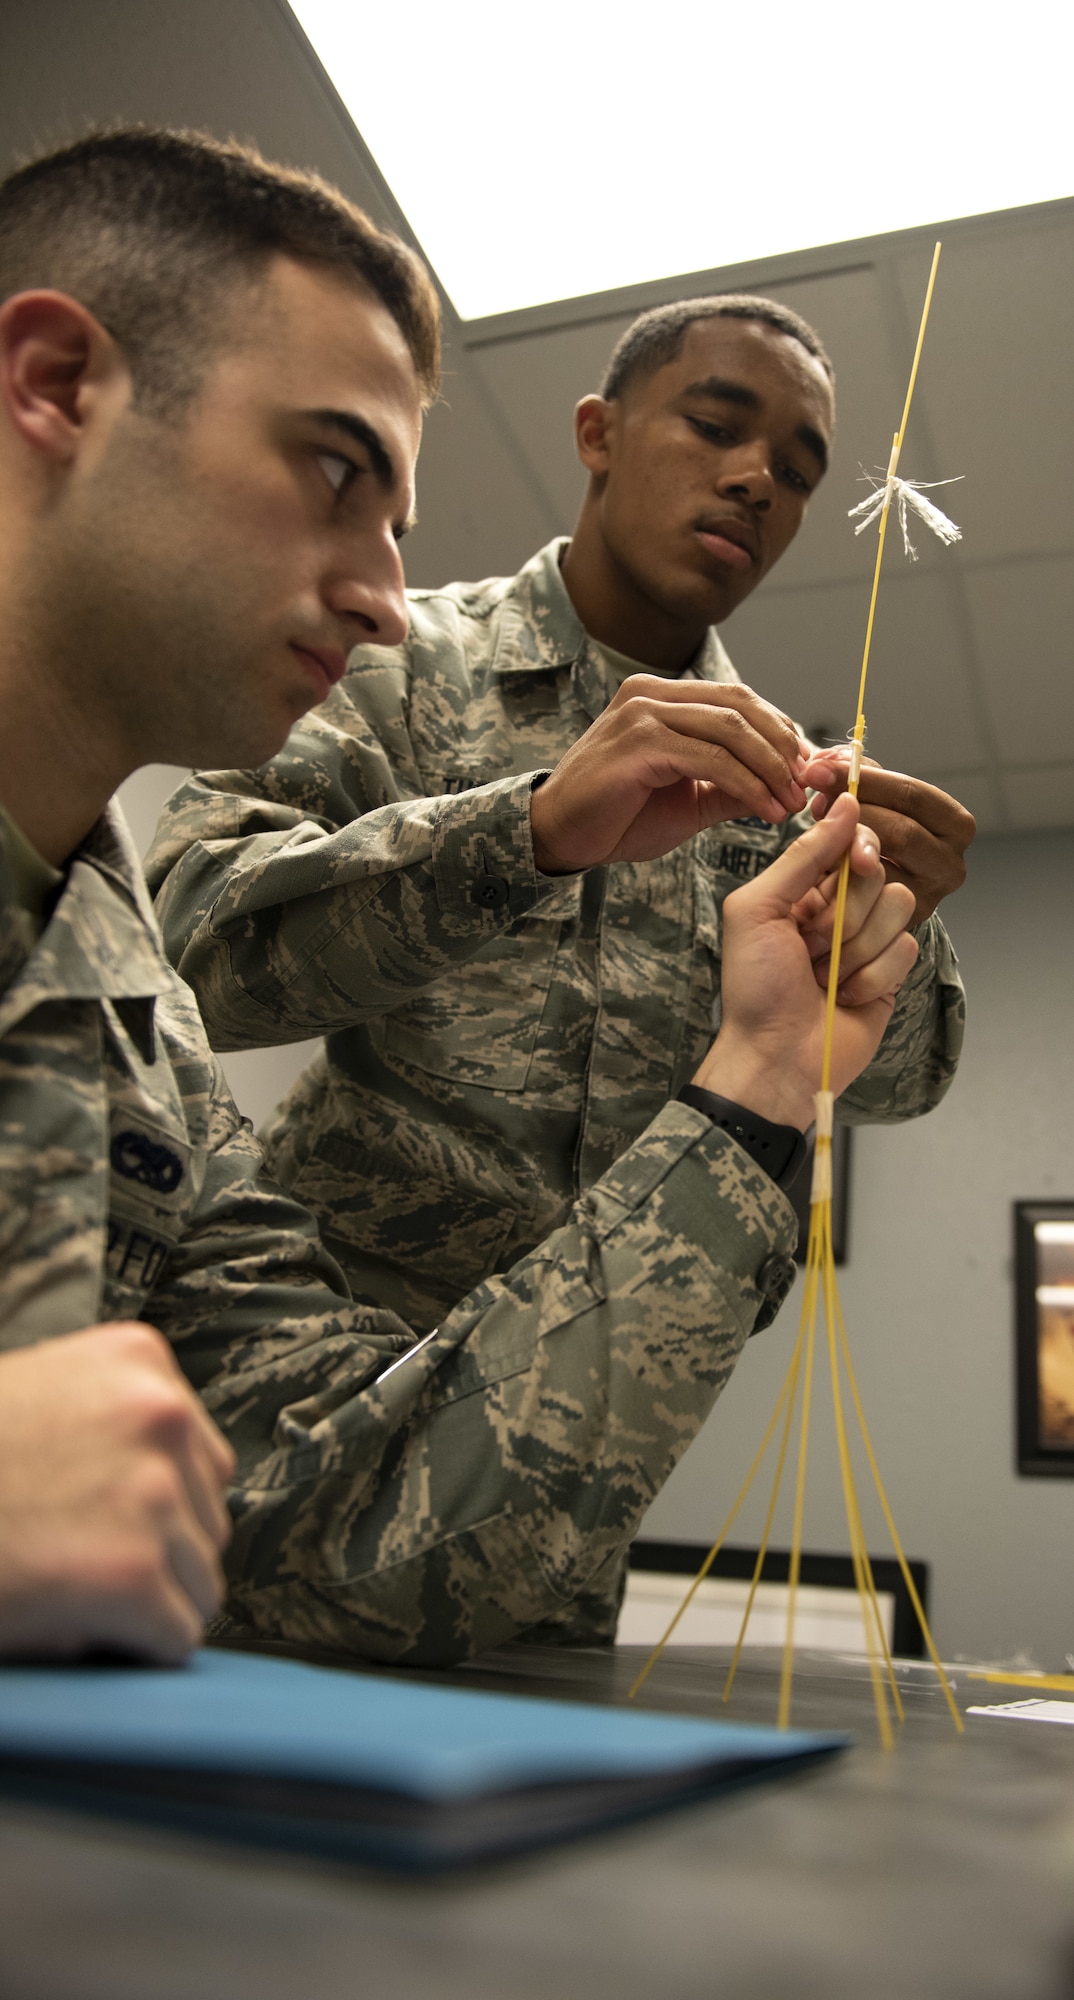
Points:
point(780, 1149)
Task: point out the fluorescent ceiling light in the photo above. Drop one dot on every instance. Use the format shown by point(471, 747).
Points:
point(552, 151)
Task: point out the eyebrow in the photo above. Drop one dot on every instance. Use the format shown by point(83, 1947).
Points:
point(721, 391)
point(361, 433)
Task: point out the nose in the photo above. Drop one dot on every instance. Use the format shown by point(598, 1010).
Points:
point(746, 474)
point(369, 592)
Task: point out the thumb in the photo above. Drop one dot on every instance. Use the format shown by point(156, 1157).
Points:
point(809, 858)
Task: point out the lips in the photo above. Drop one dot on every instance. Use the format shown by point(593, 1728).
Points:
point(329, 661)
point(730, 540)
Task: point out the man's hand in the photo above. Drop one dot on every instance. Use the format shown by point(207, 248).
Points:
point(112, 1514)
point(665, 760)
point(923, 832)
point(767, 1055)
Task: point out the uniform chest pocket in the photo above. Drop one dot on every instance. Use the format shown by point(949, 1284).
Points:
point(734, 852)
point(479, 1024)
point(724, 857)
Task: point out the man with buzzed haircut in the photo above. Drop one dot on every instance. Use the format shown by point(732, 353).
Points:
point(212, 378)
point(458, 1109)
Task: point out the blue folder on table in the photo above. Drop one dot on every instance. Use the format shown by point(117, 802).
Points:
point(394, 1773)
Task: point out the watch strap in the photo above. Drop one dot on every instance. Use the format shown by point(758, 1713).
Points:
point(780, 1149)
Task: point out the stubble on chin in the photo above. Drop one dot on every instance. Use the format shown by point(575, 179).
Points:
point(224, 722)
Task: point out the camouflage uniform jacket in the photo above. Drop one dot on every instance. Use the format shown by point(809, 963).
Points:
point(481, 1065)
point(410, 1503)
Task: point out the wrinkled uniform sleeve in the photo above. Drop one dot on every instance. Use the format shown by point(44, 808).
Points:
point(324, 889)
point(424, 1511)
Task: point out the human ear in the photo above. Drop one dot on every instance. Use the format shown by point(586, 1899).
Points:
point(594, 423)
point(53, 356)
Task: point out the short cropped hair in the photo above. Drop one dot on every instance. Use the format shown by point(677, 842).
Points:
point(150, 230)
point(657, 336)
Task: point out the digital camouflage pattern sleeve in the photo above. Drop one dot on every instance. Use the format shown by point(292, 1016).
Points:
point(421, 1503)
point(289, 921)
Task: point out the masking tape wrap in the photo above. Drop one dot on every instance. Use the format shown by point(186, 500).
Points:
point(821, 1189)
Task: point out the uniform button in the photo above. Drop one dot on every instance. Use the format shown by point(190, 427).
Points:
point(775, 1275)
point(491, 891)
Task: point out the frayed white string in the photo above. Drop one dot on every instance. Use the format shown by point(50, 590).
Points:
point(909, 493)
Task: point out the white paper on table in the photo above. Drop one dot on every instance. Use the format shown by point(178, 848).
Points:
point(1034, 1710)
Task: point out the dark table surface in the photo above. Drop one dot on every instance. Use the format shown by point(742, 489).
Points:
point(943, 1870)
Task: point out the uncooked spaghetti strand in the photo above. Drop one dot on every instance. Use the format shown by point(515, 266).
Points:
point(812, 1267)
point(882, 1635)
point(859, 716)
point(866, 1585)
point(861, 709)
point(821, 1254)
point(833, 973)
point(854, 1527)
point(790, 1381)
point(761, 1554)
point(870, 1586)
point(1061, 1681)
point(893, 466)
point(872, 1623)
point(799, 1502)
point(901, 433)
point(911, 1586)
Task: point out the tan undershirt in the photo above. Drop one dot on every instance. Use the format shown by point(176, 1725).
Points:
point(622, 668)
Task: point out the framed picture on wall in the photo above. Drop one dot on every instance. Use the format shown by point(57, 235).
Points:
point(1044, 1336)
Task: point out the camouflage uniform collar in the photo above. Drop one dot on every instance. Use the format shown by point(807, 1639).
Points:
point(541, 632)
point(35, 880)
point(109, 848)
point(100, 942)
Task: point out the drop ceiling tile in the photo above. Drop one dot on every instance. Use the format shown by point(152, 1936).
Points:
point(1041, 798)
point(1022, 616)
point(803, 650)
point(996, 384)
